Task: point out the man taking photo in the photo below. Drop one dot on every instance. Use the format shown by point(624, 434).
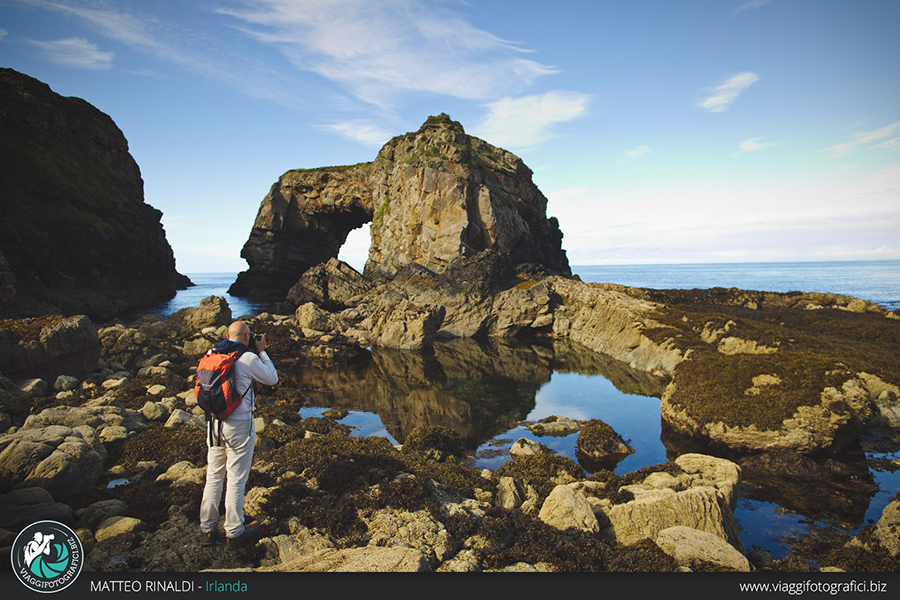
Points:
point(230, 445)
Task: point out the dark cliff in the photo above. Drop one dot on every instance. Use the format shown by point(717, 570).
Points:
point(76, 236)
point(435, 198)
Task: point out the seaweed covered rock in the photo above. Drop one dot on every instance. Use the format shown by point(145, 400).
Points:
point(766, 371)
point(599, 446)
point(48, 346)
point(555, 425)
point(434, 442)
point(538, 475)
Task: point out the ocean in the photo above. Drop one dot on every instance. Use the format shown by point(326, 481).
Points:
point(875, 281)
point(769, 521)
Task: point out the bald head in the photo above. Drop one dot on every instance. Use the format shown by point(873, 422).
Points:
point(238, 331)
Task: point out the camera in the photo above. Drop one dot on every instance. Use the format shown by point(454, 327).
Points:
point(254, 337)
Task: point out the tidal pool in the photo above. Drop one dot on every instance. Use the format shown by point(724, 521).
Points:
point(489, 390)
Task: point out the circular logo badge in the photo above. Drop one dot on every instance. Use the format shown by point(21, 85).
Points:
point(47, 556)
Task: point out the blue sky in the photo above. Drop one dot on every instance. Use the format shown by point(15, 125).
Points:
point(661, 131)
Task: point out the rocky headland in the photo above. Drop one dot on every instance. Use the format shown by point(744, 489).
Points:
point(76, 236)
point(99, 428)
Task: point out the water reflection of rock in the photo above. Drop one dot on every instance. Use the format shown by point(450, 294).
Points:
point(478, 388)
point(569, 357)
point(823, 488)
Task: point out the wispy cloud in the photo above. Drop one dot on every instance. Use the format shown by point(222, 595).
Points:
point(3, 33)
point(360, 131)
point(528, 121)
point(866, 137)
point(750, 5)
point(893, 144)
point(562, 195)
point(634, 153)
point(188, 48)
point(725, 94)
point(73, 52)
point(754, 145)
point(376, 50)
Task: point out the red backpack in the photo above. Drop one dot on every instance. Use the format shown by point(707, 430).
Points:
point(215, 389)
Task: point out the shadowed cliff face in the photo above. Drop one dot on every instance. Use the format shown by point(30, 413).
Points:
point(436, 198)
point(75, 233)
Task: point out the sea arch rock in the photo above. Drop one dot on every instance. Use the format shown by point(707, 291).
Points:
point(436, 198)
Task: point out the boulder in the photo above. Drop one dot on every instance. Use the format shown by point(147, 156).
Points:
point(700, 498)
point(691, 548)
point(96, 417)
point(35, 388)
point(184, 472)
point(118, 525)
point(887, 529)
point(369, 559)
point(99, 511)
point(213, 311)
point(12, 399)
point(705, 470)
point(566, 507)
point(526, 447)
point(508, 495)
point(25, 506)
point(331, 285)
point(407, 529)
point(65, 383)
point(598, 445)
point(555, 426)
point(406, 326)
point(47, 346)
point(155, 411)
point(56, 458)
point(285, 548)
point(180, 418)
point(127, 346)
point(311, 318)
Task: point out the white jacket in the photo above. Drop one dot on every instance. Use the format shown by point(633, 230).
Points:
point(251, 367)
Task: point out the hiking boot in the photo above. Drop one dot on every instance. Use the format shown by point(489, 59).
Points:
point(241, 540)
point(209, 538)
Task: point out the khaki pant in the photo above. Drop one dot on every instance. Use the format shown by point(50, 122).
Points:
point(228, 465)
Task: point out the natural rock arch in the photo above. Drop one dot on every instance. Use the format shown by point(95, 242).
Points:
point(435, 198)
point(302, 222)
